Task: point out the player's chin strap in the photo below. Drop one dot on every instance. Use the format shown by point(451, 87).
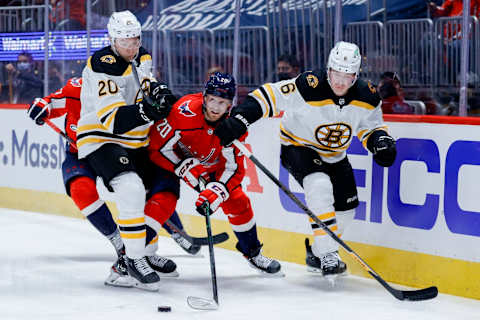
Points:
point(413, 295)
point(59, 131)
point(203, 303)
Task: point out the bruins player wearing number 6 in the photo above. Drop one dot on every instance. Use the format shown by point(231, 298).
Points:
point(113, 135)
point(324, 110)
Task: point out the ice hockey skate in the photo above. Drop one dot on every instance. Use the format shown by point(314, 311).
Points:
point(119, 276)
point(164, 267)
point(186, 245)
point(329, 265)
point(264, 265)
point(143, 276)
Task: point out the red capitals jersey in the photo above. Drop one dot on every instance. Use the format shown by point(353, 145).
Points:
point(66, 101)
point(185, 134)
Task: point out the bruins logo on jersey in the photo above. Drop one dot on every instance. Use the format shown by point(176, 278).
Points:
point(312, 81)
point(108, 59)
point(334, 135)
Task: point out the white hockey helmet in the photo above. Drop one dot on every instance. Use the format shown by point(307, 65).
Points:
point(123, 24)
point(345, 57)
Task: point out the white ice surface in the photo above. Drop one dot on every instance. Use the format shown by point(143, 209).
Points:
point(53, 267)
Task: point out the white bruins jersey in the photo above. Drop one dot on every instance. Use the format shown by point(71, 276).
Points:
point(315, 117)
point(109, 84)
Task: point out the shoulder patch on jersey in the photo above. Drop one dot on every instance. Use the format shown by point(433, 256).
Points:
point(313, 86)
point(312, 80)
point(108, 59)
point(102, 62)
point(185, 110)
point(365, 92)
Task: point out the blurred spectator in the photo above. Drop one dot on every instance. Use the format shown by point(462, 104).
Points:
point(24, 84)
point(391, 92)
point(68, 14)
point(453, 8)
point(287, 67)
point(56, 79)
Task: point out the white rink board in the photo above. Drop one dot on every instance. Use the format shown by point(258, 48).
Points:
point(29, 159)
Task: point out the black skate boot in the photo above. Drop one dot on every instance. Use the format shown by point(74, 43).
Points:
point(186, 245)
point(261, 263)
point(329, 264)
point(119, 276)
point(144, 277)
point(164, 267)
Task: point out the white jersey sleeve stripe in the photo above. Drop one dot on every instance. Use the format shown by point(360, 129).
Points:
point(230, 166)
point(56, 103)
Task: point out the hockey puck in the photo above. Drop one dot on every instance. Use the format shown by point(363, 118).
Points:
point(164, 308)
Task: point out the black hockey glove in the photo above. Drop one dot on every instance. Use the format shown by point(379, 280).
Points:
point(383, 148)
point(230, 129)
point(162, 102)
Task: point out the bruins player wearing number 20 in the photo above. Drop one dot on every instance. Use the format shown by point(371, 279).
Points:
point(113, 135)
point(323, 111)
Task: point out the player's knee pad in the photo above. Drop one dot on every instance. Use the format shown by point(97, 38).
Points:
point(239, 211)
point(129, 194)
point(159, 208)
point(319, 192)
point(83, 192)
point(344, 218)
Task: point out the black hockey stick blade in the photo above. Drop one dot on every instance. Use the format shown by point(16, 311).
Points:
point(218, 238)
point(422, 294)
point(410, 295)
point(199, 241)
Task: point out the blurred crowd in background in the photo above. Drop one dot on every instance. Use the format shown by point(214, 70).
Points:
point(403, 91)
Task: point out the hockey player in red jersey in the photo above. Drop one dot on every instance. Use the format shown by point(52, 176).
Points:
point(79, 178)
point(184, 147)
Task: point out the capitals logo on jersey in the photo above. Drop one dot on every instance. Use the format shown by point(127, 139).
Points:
point(185, 110)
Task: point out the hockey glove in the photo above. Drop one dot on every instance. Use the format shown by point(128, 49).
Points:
point(190, 170)
point(383, 148)
point(214, 194)
point(162, 102)
point(230, 129)
point(39, 110)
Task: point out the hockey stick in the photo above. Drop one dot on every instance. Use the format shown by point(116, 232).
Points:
point(198, 241)
point(203, 303)
point(412, 295)
point(59, 131)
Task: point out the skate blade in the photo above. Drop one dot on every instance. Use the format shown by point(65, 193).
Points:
point(314, 270)
point(265, 274)
point(153, 287)
point(115, 280)
point(201, 303)
point(173, 274)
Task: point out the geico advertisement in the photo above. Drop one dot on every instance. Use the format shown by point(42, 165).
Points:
point(426, 202)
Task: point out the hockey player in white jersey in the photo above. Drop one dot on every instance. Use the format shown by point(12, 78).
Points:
point(324, 110)
point(112, 136)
